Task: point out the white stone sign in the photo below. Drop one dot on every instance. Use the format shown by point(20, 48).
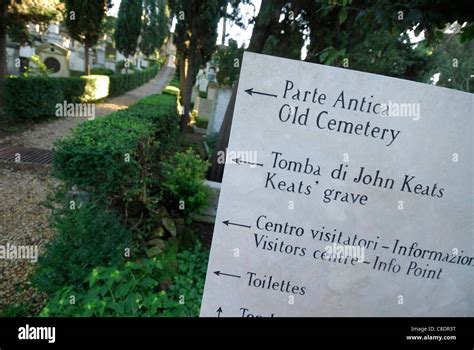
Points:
point(344, 194)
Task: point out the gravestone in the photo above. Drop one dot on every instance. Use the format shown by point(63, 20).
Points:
point(344, 194)
point(221, 101)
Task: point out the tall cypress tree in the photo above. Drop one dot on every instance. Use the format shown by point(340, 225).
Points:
point(196, 34)
point(84, 21)
point(129, 26)
point(155, 27)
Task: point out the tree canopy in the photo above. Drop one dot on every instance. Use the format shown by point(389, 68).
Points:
point(155, 26)
point(84, 20)
point(367, 35)
point(128, 27)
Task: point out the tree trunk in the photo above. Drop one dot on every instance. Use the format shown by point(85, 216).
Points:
point(265, 21)
point(224, 26)
point(183, 66)
point(87, 67)
point(188, 89)
point(3, 49)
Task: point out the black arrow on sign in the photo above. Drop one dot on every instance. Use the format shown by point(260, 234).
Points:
point(238, 161)
point(218, 273)
point(219, 311)
point(250, 92)
point(227, 223)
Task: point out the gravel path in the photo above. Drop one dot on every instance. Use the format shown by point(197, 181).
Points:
point(24, 221)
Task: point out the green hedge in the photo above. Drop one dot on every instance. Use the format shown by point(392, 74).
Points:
point(120, 83)
point(35, 98)
point(120, 202)
point(94, 71)
point(73, 89)
point(111, 156)
point(32, 98)
point(97, 87)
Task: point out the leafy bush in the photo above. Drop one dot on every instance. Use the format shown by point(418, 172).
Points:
point(37, 68)
point(132, 290)
point(136, 289)
point(183, 175)
point(33, 97)
point(226, 57)
point(188, 283)
point(86, 237)
point(17, 310)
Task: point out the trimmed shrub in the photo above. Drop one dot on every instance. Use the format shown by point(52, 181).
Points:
point(73, 89)
point(36, 97)
point(117, 86)
point(33, 97)
point(171, 90)
point(94, 71)
point(96, 87)
point(76, 73)
point(162, 110)
point(112, 156)
point(175, 82)
point(158, 100)
point(94, 158)
point(88, 235)
point(120, 83)
point(102, 71)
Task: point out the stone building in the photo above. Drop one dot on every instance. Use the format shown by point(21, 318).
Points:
point(58, 51)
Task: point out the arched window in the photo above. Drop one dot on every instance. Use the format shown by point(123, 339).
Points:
point(52, 64)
